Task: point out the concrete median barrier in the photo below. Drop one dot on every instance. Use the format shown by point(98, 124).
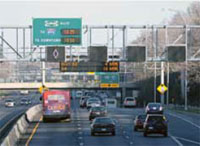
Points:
point(20, 126)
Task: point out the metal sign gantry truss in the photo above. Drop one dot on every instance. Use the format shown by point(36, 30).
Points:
point(156, 38)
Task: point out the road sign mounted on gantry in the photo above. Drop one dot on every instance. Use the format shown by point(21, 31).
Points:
point(57, 31)
point(162, 88)
point(55, 54)
point(136, 53)
point(109, 80)
point(176, 53)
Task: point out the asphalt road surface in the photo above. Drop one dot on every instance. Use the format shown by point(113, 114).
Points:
point(184, 130)
point(7, 113)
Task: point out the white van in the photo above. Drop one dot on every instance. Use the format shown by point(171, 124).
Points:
point(111, 103)
point(129, 102)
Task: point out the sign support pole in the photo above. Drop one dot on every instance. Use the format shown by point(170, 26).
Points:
point(162, 81)
point(43, 73)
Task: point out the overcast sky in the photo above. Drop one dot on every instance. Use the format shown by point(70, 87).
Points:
point(97, 13)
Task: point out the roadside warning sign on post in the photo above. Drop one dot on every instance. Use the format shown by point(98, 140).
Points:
point(162, 88)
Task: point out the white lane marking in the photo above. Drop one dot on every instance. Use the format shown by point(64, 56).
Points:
point(184, 120)
point(177, 141)
point(191, 141)
point(131, 143)
point(127, 137)
point(81, 144)
point(80, 133)
point(79, 128)
point(80, 138)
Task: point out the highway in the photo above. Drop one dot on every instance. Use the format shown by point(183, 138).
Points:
point(184, 130)
point(7, 113)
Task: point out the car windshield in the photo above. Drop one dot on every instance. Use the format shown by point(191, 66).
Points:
point(93, 100)
point(103, 120)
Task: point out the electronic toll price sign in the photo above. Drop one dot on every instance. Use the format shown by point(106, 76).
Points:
point(57, 31)
point(112, 66)
point(89, 66)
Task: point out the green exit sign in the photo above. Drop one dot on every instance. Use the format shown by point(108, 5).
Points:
point(109, 78)
point(57, 31)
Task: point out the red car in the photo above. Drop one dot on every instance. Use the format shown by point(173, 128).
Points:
point(139, 122)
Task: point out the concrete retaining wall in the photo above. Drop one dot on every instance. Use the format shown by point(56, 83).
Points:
point(21, 125)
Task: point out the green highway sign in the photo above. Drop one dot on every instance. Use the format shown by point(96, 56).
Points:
point(57, 31)
point(109, 78)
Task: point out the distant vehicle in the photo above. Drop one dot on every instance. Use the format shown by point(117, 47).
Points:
point(56, 105)
point(129, 102)
point(111, 103)
point(24, 92)
point(155, 123)
point(79, 94)
point(103, 125)
point(29, 101)
point(92, 102)
point(9, 103)
point(139, 122)
point(154, 108)
point(24, 101)
point(99, 111)
point(83, 101)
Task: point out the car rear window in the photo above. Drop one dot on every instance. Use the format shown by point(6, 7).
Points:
point(154, 105)
point(130, 99)
point(98, 109)
point(156, 118)
point(142, 117)
point(103, 120)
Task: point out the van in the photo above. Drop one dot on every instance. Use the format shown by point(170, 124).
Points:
point(129, 102)
point(111, 103)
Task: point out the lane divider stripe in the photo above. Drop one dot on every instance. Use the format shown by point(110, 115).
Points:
point(33, 132)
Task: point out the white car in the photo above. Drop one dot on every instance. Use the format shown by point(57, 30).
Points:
point(9, 103)
point(92, 102)
point(129, 102)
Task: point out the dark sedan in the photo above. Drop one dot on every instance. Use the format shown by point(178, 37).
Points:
point(99, 111)
point(139, 122)
point(102, 125)
point(154, 108)
point(155, 123)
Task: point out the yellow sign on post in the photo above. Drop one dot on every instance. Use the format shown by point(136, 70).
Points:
point(162, 88)
point(42, 89)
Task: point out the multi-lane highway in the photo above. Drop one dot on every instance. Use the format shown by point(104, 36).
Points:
point(184, 130)
point(7, 113)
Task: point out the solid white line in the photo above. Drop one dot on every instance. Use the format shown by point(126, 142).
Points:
point(185, 120)
point(177, 141)
point(191, 141)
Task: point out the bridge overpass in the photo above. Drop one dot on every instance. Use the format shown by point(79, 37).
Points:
point(57, 85)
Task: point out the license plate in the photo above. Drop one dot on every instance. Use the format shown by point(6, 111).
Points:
point(98, 113)
point(103, 129)
point(151, 128)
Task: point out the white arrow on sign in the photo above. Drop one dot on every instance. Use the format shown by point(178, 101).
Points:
point(55, 53)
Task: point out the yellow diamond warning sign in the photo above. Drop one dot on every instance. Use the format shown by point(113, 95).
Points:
point(162, 88)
